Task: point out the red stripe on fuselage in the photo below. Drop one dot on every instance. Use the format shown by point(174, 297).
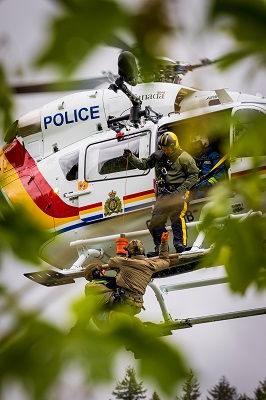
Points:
point(259, 170)
point(31, 178)
point(95, 205)
point(139, 194)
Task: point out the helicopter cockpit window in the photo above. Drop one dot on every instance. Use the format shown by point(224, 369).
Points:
point(69, 165)
point(104, 159)
point(246, 122)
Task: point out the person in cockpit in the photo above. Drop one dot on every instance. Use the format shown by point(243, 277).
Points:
point(211, 164)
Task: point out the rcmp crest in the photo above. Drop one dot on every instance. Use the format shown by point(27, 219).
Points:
point(113, 204)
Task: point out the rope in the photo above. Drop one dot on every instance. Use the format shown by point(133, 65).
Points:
point(125, 191)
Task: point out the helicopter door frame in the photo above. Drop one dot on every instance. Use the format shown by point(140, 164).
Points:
point(240, 165)
point(189, 125)
point(114, 187)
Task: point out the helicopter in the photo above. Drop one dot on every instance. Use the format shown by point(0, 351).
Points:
point(64, 163)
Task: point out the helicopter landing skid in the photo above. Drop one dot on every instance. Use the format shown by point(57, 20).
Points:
point(166, 328)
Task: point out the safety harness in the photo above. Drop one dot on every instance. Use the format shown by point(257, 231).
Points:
point(221, 161)
point(164, 164)
point(118, 293)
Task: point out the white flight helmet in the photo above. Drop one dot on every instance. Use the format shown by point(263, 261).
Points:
point(201, 138)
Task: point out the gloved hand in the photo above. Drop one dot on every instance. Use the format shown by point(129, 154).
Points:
point(164, 190)
point(212, 181)
point(165, 236)
point(127, 153)
point(91, 269)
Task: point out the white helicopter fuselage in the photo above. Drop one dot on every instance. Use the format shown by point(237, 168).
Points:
point(65, 162)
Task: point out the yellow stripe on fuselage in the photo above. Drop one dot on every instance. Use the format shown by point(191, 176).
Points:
point(90, 210)
point(138, 198)
point(14, 190)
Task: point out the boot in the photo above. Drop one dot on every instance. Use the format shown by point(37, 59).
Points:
point(179, 248)
point(153, 253)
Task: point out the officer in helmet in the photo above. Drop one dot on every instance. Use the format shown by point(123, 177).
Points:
point(211, 165)
point(133, 274)
point(176, 172)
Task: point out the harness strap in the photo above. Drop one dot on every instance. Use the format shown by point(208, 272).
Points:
point(214, 167)
point(165, 163)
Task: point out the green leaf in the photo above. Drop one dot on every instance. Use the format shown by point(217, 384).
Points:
point(158, 360)
point(83, 27)
point(21, 233)
point(240, 247)
point(32, 355)
point(79, 30)
point(6, 102)
point(245, 22)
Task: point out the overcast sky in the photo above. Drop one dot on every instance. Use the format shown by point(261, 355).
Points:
point(235, 349)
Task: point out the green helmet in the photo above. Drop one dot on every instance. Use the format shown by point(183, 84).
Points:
point(135, 247)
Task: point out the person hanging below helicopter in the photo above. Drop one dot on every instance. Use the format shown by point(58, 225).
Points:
point(211, 164)
point(176, 172)
point(124, 293)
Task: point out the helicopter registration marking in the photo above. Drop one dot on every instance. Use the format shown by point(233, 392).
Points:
point(81, 114)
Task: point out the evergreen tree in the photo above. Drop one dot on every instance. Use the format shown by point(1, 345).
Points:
point(155, 396)
point(243, 397)
point(223, 391)
point(191, 388)
point(129, 388)
point(260, 392)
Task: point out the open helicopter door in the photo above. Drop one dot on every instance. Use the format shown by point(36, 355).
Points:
point(112, 186)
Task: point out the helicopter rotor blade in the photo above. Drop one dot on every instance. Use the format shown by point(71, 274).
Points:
point(62, 86)
point(204, 63)
point(168, 65)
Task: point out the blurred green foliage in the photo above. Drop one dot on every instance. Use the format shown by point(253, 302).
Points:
point(6, 103)
point(85, 25)
point(245, 22)
point(37, 353)
point(240, 244)
point(20, 233)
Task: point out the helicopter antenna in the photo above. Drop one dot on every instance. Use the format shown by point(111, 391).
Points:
point(128, 72)
point(135, 114)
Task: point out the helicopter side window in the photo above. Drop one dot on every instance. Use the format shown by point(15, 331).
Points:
point(247, 122)
point(69, 165)
point(238, 132)
point(104, 160)
point(111, 159)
